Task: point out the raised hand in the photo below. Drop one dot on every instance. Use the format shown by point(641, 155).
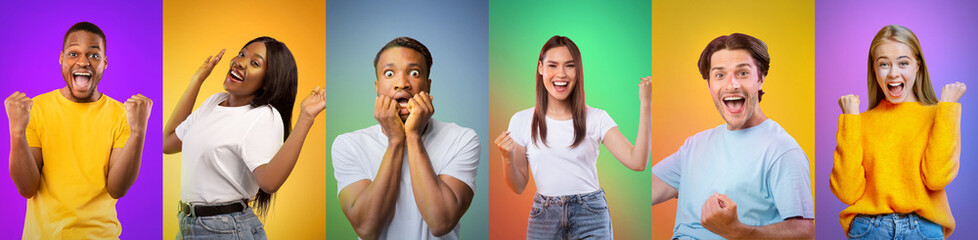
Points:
point(952, 92)
point(421, 110)
point(314, 104)
point(18, 107)
point(205, 69)
point(385, 111)
point(645, 90)
point(138, 108)
point(719, 215)
point(505, 144)
point(849, 104)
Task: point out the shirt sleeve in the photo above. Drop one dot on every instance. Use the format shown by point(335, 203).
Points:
point(605, 123)
point(848, 178)
point(519, 128)
point(194, 115)
point(122, 135)
point(33, 133)
point(263, 140)
point(943, 153)
point(346, 163)
point(670, 169)
point(465, 163)
point(790, 185)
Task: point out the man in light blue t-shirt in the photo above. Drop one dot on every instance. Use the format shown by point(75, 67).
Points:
point(744, 179)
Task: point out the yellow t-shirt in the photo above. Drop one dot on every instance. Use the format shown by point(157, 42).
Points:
point(75, 140)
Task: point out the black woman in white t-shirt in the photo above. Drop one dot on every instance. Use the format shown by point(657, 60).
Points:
point(237, 147)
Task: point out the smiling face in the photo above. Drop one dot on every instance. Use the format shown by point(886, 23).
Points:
point(896, 71)
point(559, 72)
point(82, 62)
point(734, 83)
point(401, 73)
point(247, 73)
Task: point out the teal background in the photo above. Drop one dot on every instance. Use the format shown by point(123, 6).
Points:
point(455, 33)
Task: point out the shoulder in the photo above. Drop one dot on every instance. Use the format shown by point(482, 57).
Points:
point(451, 129)
point(524, 115)
point(351, 139)
point(781, 138)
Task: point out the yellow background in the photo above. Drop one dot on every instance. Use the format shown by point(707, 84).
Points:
point(193, 30)
point(681, 104)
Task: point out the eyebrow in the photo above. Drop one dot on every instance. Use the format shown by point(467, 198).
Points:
point(552, 61)
point(898, 58)
point(260, 56)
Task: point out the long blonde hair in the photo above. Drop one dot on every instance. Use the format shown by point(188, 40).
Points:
point(922, 88)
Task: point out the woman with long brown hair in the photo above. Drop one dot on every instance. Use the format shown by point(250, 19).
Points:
point(559, 140)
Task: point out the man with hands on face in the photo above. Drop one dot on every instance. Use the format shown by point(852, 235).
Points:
point(409, 176)
point(748, 178)
point(74, 151)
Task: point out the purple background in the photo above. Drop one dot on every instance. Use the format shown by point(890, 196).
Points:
point(32, 38)
point(843, 32)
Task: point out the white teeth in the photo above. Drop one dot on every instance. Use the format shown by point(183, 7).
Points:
point(894, 84)
point(82, 74)
point(235, 74)
point(403, 104)
point(560, 83)
point(733, 98)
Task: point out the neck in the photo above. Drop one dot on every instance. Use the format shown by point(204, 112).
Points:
point(755, 119)
point(237, 101)
point(559, 109)
point(66, 92)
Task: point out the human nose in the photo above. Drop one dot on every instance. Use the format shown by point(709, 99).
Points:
point(892, 74)
point(734, 84)
point(562, 73)
point(401, 83)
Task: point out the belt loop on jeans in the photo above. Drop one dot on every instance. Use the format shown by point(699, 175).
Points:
point(580, 199)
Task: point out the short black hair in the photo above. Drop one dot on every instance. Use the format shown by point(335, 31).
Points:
point(408, 43)
point(84, 26)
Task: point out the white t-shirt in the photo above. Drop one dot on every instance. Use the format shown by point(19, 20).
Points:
point(452, 150)
point(221, 148)
point(557, 169)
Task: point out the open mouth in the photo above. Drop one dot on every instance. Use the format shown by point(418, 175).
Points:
point(235, 75)
point(402, 99)
point(82, 79)
point(895, 89)
point(560, 86)
point(734, 104)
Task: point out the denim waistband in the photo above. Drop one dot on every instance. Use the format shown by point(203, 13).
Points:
point(894, 217)
point(579, 198)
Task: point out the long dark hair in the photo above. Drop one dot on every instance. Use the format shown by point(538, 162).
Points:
point(578, 109)
point(278, 91)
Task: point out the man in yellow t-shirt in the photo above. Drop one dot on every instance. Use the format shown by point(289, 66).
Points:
point(76, 150)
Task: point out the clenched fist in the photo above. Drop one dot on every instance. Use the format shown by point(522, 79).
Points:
point(952, 92)
point(719, 215)
point(138, 108)
point(849, 104)
point(421, 110)
point(645, 91)
point(385, 111)
point(506, 145)
point(18, 107)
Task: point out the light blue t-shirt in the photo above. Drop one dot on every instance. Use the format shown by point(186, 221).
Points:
point(762, 169)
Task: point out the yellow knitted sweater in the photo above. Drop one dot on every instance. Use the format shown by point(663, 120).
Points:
point(897, 158)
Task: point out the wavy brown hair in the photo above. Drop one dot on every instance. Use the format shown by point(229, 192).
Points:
point(578, 109)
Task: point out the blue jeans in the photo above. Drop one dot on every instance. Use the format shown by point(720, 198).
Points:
point(581, 216)
point(243, 225)
point(894, 226)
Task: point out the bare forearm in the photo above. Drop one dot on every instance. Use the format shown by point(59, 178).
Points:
point(795, 228)
point(439, 205)
point(271, 176)
point(515, 169)
point(24, 170)
point(124, 167)
point(180, 113)
point(643, 139)
point(374, 206)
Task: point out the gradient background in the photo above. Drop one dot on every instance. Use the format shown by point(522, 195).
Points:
point(614, 43)
point(455, 34)
point(34, 34)
point(194, 30)
point(844, 30)
point(681, 103)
